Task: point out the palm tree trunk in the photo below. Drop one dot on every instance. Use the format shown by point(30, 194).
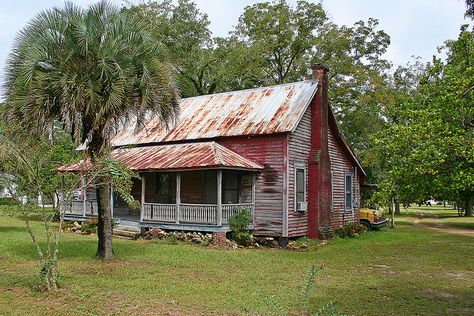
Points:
point(104, 228)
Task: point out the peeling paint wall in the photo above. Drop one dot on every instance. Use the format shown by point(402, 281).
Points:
point(266, 150)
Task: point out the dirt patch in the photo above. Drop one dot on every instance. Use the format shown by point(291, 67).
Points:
point(444, 228)
point(461, 311)
point(440, 294)
point(456, 276)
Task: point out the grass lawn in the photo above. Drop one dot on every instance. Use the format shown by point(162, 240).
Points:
point(406, 271)
point(434, 215)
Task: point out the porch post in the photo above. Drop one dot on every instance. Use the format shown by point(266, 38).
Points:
point(112, 200)
point(178, 196)
point(142, 208)
point(253, 195)
point(219, 198)
point(84, 196)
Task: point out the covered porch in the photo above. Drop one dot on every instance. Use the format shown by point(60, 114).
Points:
point(199, 196)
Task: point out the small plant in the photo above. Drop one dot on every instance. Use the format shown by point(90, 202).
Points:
point(239, 224)
point(90, 226)
point(301, 242)
point(172, 238)
point(350, 230)
point(206, 240)
point(304, 308)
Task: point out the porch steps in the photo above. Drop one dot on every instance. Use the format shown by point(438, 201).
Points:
point(126, 232)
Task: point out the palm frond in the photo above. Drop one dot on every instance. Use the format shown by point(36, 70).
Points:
point(93, 70)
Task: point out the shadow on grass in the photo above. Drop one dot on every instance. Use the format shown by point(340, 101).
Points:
point(6, 229)
point(83, 249)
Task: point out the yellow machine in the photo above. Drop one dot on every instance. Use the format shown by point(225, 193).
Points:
point(372, 219)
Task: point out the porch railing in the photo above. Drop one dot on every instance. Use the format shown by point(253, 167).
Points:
point(203, 214)
point(191, 213)
point(159, 212)
point(198, 213)
point(228, 210)
point(77, 208)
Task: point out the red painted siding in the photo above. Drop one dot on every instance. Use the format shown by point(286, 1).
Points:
point(268, 151)
point(340, 166)
point(299, 150)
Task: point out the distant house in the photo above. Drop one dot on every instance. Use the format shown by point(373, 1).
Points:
point(276, 151)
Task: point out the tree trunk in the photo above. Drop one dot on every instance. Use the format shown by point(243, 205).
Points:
point(390, 210)
point(397, 208)
point(96, 148)
point(104, 227)
point(468, 205)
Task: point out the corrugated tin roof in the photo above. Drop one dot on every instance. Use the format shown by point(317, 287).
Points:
point(256, 111)
point(175, 157)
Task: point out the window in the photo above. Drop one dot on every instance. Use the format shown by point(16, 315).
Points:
point(230, 187)
point(163, 188)
point(300, 188)
point(348, 191)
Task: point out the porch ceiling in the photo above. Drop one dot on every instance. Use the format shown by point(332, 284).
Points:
point(184, 156)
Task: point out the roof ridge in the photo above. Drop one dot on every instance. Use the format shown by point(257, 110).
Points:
point(248, 89)
point(216, 152)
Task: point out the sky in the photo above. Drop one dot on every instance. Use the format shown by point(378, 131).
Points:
point(416, 27)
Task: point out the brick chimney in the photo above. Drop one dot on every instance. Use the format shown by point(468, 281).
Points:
point(319, 165)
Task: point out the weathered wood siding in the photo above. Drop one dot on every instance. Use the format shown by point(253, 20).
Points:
point(340, 166)
point(299, 148)
point(245, 187)
point(266, 150)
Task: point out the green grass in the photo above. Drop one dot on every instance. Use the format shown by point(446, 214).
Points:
point(406, 271)
point(435, 215)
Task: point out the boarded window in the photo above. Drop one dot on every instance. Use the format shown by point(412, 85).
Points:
point(348, 191)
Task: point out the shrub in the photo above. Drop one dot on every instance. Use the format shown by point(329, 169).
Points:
point(239, 224)
point(90, 226)
point(350, 230)
point(8, 201)
point(206, 240)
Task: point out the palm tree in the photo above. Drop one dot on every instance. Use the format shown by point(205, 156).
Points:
point(93, 70)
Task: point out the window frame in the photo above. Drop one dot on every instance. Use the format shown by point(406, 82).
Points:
point(351, 192)
point(299, 166)
point(236, 190)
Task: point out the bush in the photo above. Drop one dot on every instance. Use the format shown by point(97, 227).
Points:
point(90, 226)
point(7, 201)
point(350, 230)
point(239, 224)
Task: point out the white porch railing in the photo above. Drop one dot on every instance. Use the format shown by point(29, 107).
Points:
point(228, 210)
point(159, 212)
point(191, 213)
point(77, 208)
point(198, 213)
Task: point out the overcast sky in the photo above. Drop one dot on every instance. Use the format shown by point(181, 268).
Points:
point(416, 27)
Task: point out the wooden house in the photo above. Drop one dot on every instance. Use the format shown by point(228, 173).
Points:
point(277, 151)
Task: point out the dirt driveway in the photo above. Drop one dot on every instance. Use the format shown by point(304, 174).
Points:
point(444, 228)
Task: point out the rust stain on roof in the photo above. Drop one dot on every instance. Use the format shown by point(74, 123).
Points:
point(256, 111)
point(175, 157)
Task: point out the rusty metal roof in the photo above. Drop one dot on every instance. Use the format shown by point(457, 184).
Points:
point(256, 111)
point(175, 157)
